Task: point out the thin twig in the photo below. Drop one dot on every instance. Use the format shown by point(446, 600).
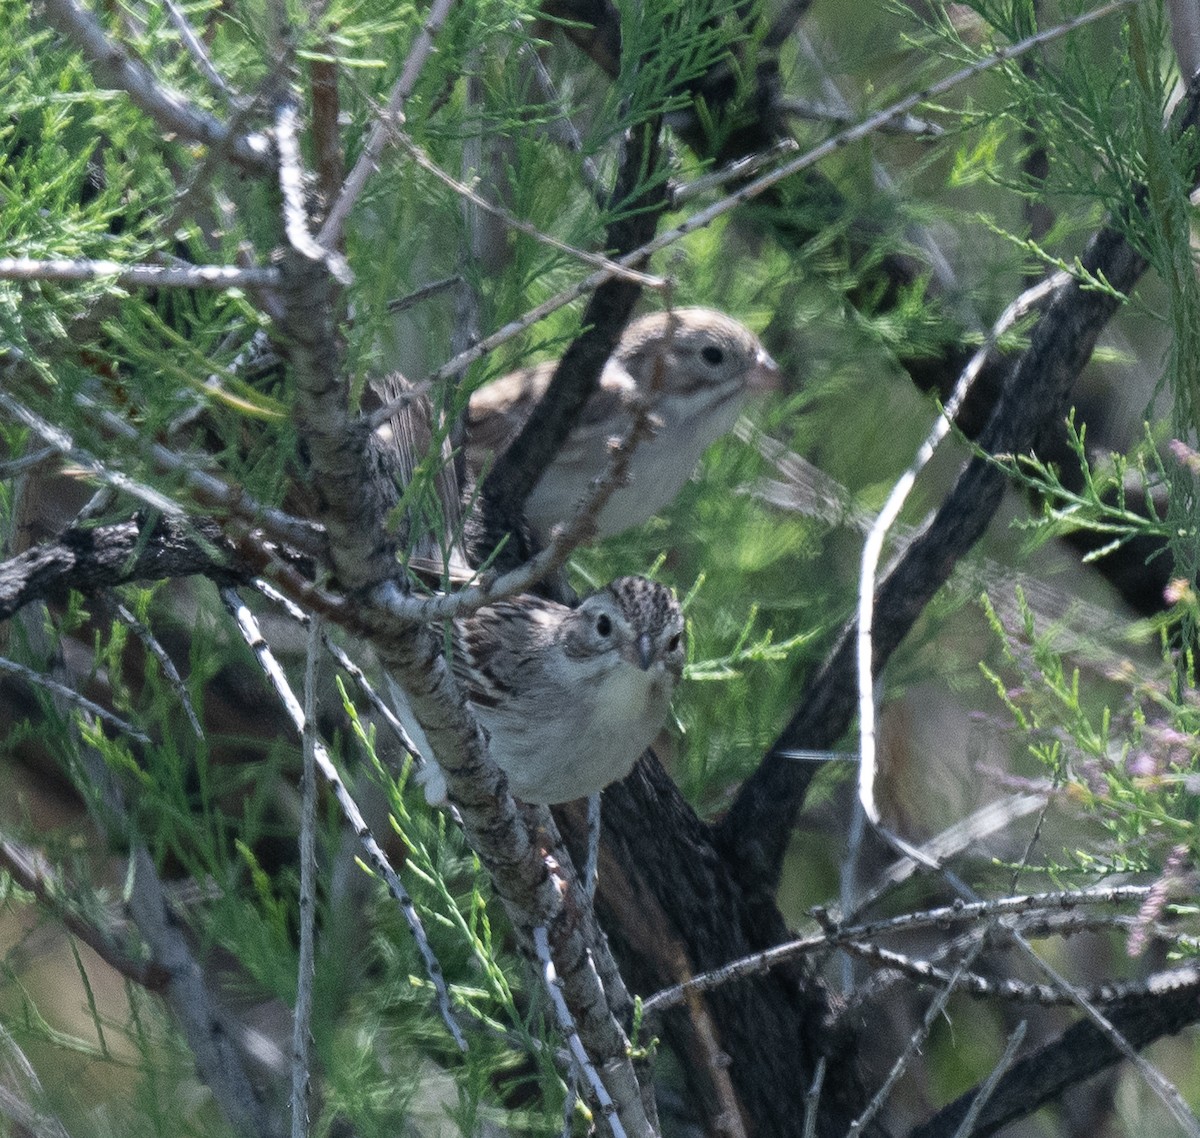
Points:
point(1016, 1038)
point(873, 547)
point(560, 128)
point(114, 67)
point(34, 872)
point(816, 112)
point(378, 703)
point(733, 172)
point(614, 268)
point(18, 466)
point(1175, 980)
point(562, 1013)
point(62, 442)
point(249, 629)
point(368, 160)
point(1157, 1082)
point(27, 1119)
point(305, 966)
point(812, 1099)
point(211, 491)
point(932, 1014)
point(960, 913)
point(72, 696)
point(152, 645)
point(753, 189)
point(417, 296)
point(1166, 1091)
point(196, 48)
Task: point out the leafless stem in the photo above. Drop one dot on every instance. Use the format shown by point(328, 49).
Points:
point(114, 67)
point(873, 548)
point(65, 445)
point(1176, 981)
point(733, 172)
point(15, 467)
point(417, 296)
point(932, 1014)
point(566, 1024)
point(815, 112)
point(613, 268)
point(812, 1099)
point(1015, 1039)
point(249, 629)
point(35, 873)
point(210, 491)
point(137, 276)
point(305, 966)
point(196, 48)
point(378, 703)
point(368, 160)
point(160, 654)
point(965, 912)
point(28, 1121)
point(1166, 1091)
point(73, 697)
point(560, 128)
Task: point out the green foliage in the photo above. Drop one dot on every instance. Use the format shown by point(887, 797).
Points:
point(1099, 505)
point(1122, 750)
point(84, 173)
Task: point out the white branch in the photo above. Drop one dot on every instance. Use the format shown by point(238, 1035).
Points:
point(566, 1023)
point(249, 629)
point(137, 276)
point(305, 965)
point(873, 547)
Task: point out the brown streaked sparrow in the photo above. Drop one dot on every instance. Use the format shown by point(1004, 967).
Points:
point(695, 365)
point(569, 698)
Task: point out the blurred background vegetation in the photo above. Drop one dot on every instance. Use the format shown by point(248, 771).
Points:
point(1065, 683)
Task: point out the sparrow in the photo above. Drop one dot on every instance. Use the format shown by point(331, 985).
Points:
point(696, 366)
point(569, 698)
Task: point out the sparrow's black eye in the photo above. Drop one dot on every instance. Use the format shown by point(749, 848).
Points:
point(603, 624)
point(712, 355)
point(673, 643)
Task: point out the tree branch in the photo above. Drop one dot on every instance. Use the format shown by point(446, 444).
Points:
point(578, 373)
point(113, 66)
point(1081, 1051)
point(353, 503)
point(756, 831)
point(137, 550)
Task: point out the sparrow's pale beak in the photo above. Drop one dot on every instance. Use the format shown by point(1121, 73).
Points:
point(645, 650)
point(764, 376)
